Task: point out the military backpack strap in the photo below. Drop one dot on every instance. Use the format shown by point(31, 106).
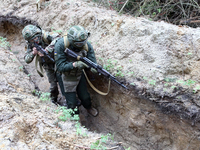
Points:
point(85, 47)
point(66, 42)
point(95, 89)
point(44, 36)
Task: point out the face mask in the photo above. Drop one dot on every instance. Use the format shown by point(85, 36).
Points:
point(36, 40)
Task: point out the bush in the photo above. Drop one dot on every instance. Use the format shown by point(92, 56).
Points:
point(179, 12)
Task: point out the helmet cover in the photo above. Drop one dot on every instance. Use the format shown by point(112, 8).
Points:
point(30, 32)
point(77, 36)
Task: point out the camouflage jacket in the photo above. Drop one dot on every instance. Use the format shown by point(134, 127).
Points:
point(70, 75)
point(48, 42)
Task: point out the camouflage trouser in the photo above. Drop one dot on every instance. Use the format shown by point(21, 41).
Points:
point(82, 93)
point(50, 72)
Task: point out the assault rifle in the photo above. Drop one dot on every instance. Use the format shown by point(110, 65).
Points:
point(41, 50)
point(91, 64)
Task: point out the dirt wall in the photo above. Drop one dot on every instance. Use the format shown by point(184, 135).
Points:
point(159, 62)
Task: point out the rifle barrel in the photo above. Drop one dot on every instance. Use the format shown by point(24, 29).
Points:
point(93, 65)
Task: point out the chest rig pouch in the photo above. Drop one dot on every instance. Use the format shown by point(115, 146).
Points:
point(76, 71)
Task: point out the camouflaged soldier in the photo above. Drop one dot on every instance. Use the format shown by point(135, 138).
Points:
point(72, 70)
point(34, 34)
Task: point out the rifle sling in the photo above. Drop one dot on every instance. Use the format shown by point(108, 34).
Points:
point(41, 73)
point(95, 89)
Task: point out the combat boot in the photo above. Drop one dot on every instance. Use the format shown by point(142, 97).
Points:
point(62, 101)
point(78, 104)
point(54, 100)
point(54, 94)
point(93, 111)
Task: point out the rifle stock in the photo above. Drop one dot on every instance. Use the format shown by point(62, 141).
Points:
point(93, 65)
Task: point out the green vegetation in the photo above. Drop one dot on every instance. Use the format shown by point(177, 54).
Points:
point(173, 83)
point(67, 114)
point(175, 12)
point(170, 79)
point(196, 89)
point(188, 82)
point(57, 31)
point(36, 92)
point(45, 96)
point(21, 68)
point(109, 65)
point(99, 143)
point(119, 73)
point(131, 73)
point(4, 43)
point(173, 86)
point(166, 84)
point(145, 78)
point(79, 129)
point(42, 95)
point(152, 82)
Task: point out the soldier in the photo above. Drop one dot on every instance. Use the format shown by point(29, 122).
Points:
point(72, 71)
point(35, 35)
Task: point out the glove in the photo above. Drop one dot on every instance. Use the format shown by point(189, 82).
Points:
point(80, 65)
point(93, 70)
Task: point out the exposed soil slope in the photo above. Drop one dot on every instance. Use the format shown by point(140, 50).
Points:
point(158, 61)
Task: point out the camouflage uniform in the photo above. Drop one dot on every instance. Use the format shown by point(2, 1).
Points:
point(47, 42)
point(73, 78)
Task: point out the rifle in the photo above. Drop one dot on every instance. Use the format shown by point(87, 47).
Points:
point(91, 64)
point(41, 50)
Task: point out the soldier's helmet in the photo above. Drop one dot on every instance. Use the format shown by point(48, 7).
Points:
point(77, 36)
point(31, 31)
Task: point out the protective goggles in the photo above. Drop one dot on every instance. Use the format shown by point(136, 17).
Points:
point(80, 43)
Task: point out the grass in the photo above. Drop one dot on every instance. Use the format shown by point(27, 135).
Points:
point(4, 43)
point(99, 144)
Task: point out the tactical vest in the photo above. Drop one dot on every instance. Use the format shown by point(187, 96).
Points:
point(72, 77)
point(51, 49)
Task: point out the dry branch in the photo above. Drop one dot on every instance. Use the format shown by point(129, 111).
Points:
point(172, 11)
point(123, 6)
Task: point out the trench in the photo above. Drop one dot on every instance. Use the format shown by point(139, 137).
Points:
point(134, 119)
